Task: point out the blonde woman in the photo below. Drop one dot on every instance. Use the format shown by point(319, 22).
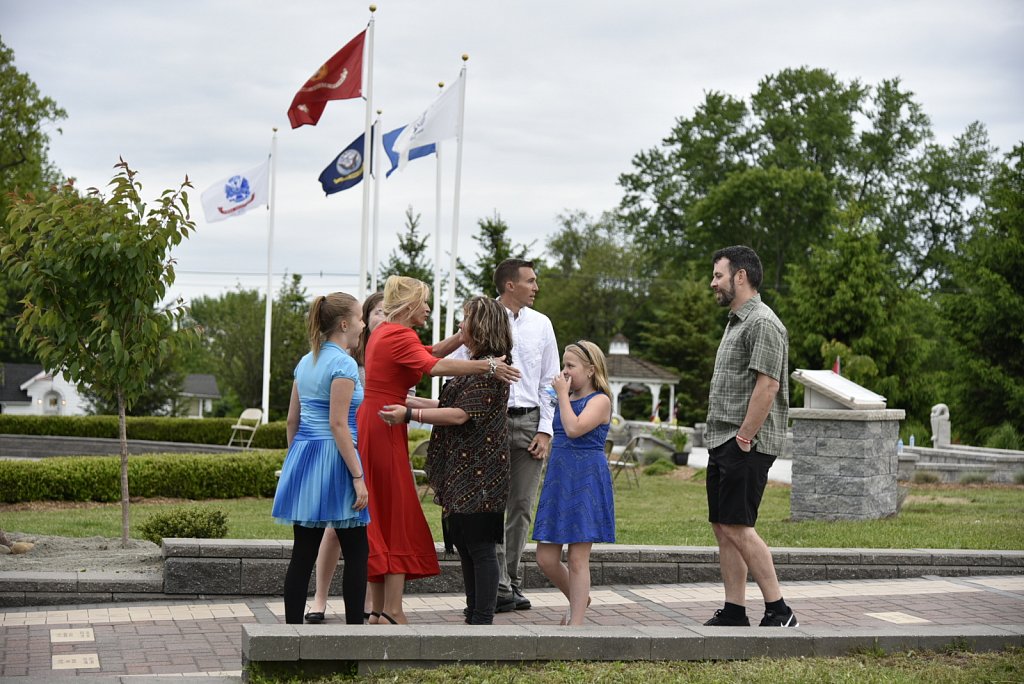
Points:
point(401, 546)
point(468, 459)
point(576, 505)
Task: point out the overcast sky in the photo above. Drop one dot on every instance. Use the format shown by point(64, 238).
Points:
point(560, 97)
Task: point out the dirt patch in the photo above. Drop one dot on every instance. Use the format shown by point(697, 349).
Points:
point(87, 554)
point(928, 498)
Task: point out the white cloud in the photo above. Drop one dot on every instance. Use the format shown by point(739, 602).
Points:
point(560, 97)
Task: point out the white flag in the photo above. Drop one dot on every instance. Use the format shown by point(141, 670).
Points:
point(235, 195)
point(442, 120)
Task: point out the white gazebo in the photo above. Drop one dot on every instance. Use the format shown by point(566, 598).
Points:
point(624, 370)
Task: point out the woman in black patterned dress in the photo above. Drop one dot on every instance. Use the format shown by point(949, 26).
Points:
point(468, 458)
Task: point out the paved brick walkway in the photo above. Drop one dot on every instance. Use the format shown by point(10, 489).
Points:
point(203, 638)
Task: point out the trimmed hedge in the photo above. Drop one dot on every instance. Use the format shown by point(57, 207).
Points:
point(98, 478)
point(188, 430)
point(187, 521)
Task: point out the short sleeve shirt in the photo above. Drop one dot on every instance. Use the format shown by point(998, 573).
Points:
point(313, 378)
point(755, 341)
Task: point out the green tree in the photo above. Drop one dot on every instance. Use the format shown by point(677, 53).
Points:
point(25, 120)
point(493, 247)
point(681, 333)
point(94, 270)
point(849, 294)
point(230, 347)
point(593, 284)
point(160, 396)
point(983, 304)
point(230, 343)
point(410, 258)
point(290, 342)
point(779, 172)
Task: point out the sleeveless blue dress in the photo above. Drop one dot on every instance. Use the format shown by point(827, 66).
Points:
point(315, 489)
point(576, 503)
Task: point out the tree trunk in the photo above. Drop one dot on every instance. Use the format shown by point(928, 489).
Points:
point(122, 432)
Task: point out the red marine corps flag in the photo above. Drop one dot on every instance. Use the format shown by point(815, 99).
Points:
point(340, 78)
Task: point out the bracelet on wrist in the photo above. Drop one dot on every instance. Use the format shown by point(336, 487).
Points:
point(357, 477)
point(420, 419)
point(744, 440)
point(492, 367)
point(408, 414)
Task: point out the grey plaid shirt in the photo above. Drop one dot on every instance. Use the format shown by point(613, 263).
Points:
point(755, 341)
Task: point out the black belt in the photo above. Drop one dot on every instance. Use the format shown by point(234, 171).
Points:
point(521, 411)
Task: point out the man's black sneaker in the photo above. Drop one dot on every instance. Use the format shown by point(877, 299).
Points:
point(506, 604)
point(522, 603)
point(720, 619)
point(773, 619)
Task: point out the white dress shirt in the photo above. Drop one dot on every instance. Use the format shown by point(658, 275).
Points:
point(535, 355)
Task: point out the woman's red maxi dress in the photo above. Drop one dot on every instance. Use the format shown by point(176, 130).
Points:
point(400, 540)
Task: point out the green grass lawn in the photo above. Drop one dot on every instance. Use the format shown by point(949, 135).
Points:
point(900, 668)
point(663, 510)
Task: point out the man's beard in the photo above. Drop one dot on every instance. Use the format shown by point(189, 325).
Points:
point(724, 297)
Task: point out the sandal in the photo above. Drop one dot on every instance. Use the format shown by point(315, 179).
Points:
point(388, 618)
point(314, 617)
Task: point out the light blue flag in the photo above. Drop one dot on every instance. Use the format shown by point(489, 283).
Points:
point(414, 153)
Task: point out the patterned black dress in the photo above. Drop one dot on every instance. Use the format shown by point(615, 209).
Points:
point(468, 464)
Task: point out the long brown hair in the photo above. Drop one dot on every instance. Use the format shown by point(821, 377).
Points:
point(368, 306)
point(325, 315)
point(489, 327)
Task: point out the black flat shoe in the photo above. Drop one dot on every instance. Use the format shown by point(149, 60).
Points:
point(314, 618)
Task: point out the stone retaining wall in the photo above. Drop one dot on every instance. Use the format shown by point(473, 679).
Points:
point(212, 568)
point(954, 461)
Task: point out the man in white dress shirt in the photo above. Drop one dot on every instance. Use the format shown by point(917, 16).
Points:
point(530, 410)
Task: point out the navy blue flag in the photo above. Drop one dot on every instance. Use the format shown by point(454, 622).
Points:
point(346, 170)
point(414, 153)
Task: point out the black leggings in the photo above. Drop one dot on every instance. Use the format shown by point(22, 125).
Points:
point(354, 548)
point(480, 574)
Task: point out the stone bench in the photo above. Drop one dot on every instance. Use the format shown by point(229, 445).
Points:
point(288, 650)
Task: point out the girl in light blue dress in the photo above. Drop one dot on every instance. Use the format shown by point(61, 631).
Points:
point(576, 505)
point(321, 481)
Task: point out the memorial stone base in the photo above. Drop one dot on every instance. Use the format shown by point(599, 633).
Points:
point(844, 463)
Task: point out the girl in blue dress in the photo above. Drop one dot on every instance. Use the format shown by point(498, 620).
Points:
point(321, 481)
point(576, 505)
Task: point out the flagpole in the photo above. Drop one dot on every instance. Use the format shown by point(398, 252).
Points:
point(377, 144)
point(270, 285)
point(363, 246)
point(435, 382)
point(453, 261)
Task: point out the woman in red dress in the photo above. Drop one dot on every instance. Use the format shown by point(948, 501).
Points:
point(401, 546)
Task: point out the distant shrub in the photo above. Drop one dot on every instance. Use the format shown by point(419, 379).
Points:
point(662, 466)
point(1005, 436)
point(973, 478)
point(190, 430)
point(1019, 477)
point(925, 477)
point(189, 521)
point(918, 430)
point(97, 478)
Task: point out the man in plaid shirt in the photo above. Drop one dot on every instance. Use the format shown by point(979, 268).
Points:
point(748, 411)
